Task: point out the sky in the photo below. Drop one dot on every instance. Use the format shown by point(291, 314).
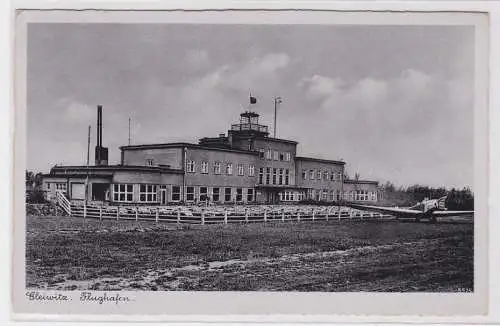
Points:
point(394, 102)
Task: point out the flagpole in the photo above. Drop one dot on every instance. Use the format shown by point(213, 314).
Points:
point(276, 101)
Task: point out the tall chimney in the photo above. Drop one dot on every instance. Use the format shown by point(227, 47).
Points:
point(101, 153)
point(99, 125)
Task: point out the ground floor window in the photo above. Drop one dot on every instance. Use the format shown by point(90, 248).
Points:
point(203, 194)
point(239, 194)
point(250, 195)
point(374, 196)
point(147, 193)
point(176, 193)
point(261, 175)
point(189, 193)
point(216, 194)
point(123, 192)
point(332, 195)
point(227, 194)
point(324, 195)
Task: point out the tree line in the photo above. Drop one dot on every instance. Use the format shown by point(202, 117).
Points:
point(457, 199)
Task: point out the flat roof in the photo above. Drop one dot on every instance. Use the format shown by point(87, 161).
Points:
point(278, 140)
point(361, 181)
point(188, 145)
point(111, 168)
point(320, 160)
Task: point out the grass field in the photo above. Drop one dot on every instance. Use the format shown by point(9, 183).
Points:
point(77, 254)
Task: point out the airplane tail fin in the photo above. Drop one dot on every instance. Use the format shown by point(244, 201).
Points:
point(442, 203)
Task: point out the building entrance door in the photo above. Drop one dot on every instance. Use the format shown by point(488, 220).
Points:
point(163, 196)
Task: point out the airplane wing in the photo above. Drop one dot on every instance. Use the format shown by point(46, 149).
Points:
point(452, 213)
point(388, 210)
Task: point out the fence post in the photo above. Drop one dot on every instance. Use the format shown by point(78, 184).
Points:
point(84, 210)
point(265, 215)
point(339, 213)
point(298, 215)
point(157, 215)
point(352, 215)
point(178, 216)
point(225, 215)
point(118, 213)
point(371, 215)
point(136, 214)
point(246, 215)
point(282, 215)
point(313, 214)
point(100, 213)
point(202, 216)
point(327, 212)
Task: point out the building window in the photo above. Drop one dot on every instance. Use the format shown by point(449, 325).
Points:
point(251, 170)
point(332, 195)
point(149, 162)
point(147, 193)
point(262, 154)
point(261, 175)
point(287, 156)
point(304, 174)
point(340, 177)
point(282, 156)
point(62, 187)
point(287, 176)
point(250, 195)
point(190, 166)
point(268, 175)
point(204, 167)
point(280, 179)
point(176, 193)
point(217, 168)
point(275, 155)
point(229, 168)
point(324, 195)
point(189, 193)
point(239, 194)
point(241, 169)
point(216, 194)
point(203, 194)
point(268, 154)
point(311, 174)
point(274, 175)
point(227, 194)
point(318, 175)
point(332, 176)
point(326, 175)
point(122, 192)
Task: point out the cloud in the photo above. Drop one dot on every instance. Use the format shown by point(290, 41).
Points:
point(379, 119)
point(75, 112)
point(197, 59)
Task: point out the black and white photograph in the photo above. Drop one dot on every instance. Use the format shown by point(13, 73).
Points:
point(245, 157)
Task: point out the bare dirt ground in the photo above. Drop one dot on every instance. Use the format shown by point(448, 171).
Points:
point(76, 254)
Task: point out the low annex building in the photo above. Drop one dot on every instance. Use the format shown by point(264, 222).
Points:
point(244, 166)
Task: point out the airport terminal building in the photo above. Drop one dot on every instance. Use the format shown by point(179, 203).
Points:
point(245, 165)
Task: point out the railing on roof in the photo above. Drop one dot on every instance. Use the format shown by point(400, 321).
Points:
point(248, 126)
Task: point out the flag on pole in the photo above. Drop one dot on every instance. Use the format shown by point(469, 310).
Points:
point(253, 99)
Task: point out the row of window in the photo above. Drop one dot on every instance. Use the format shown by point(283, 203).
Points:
point(149, 193)
point(274, 155)
point(60, 186)
point(217, 168)
point(321, 175)
point(274, 176)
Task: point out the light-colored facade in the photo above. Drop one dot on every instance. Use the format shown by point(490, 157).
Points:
point(246, 165)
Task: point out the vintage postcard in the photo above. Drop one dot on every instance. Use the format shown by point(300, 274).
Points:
point(251, 163)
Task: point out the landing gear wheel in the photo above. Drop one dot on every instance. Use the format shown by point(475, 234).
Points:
point(433, 219)
point(417, 219)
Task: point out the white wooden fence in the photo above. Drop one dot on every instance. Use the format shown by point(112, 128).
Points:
point(221, 216)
